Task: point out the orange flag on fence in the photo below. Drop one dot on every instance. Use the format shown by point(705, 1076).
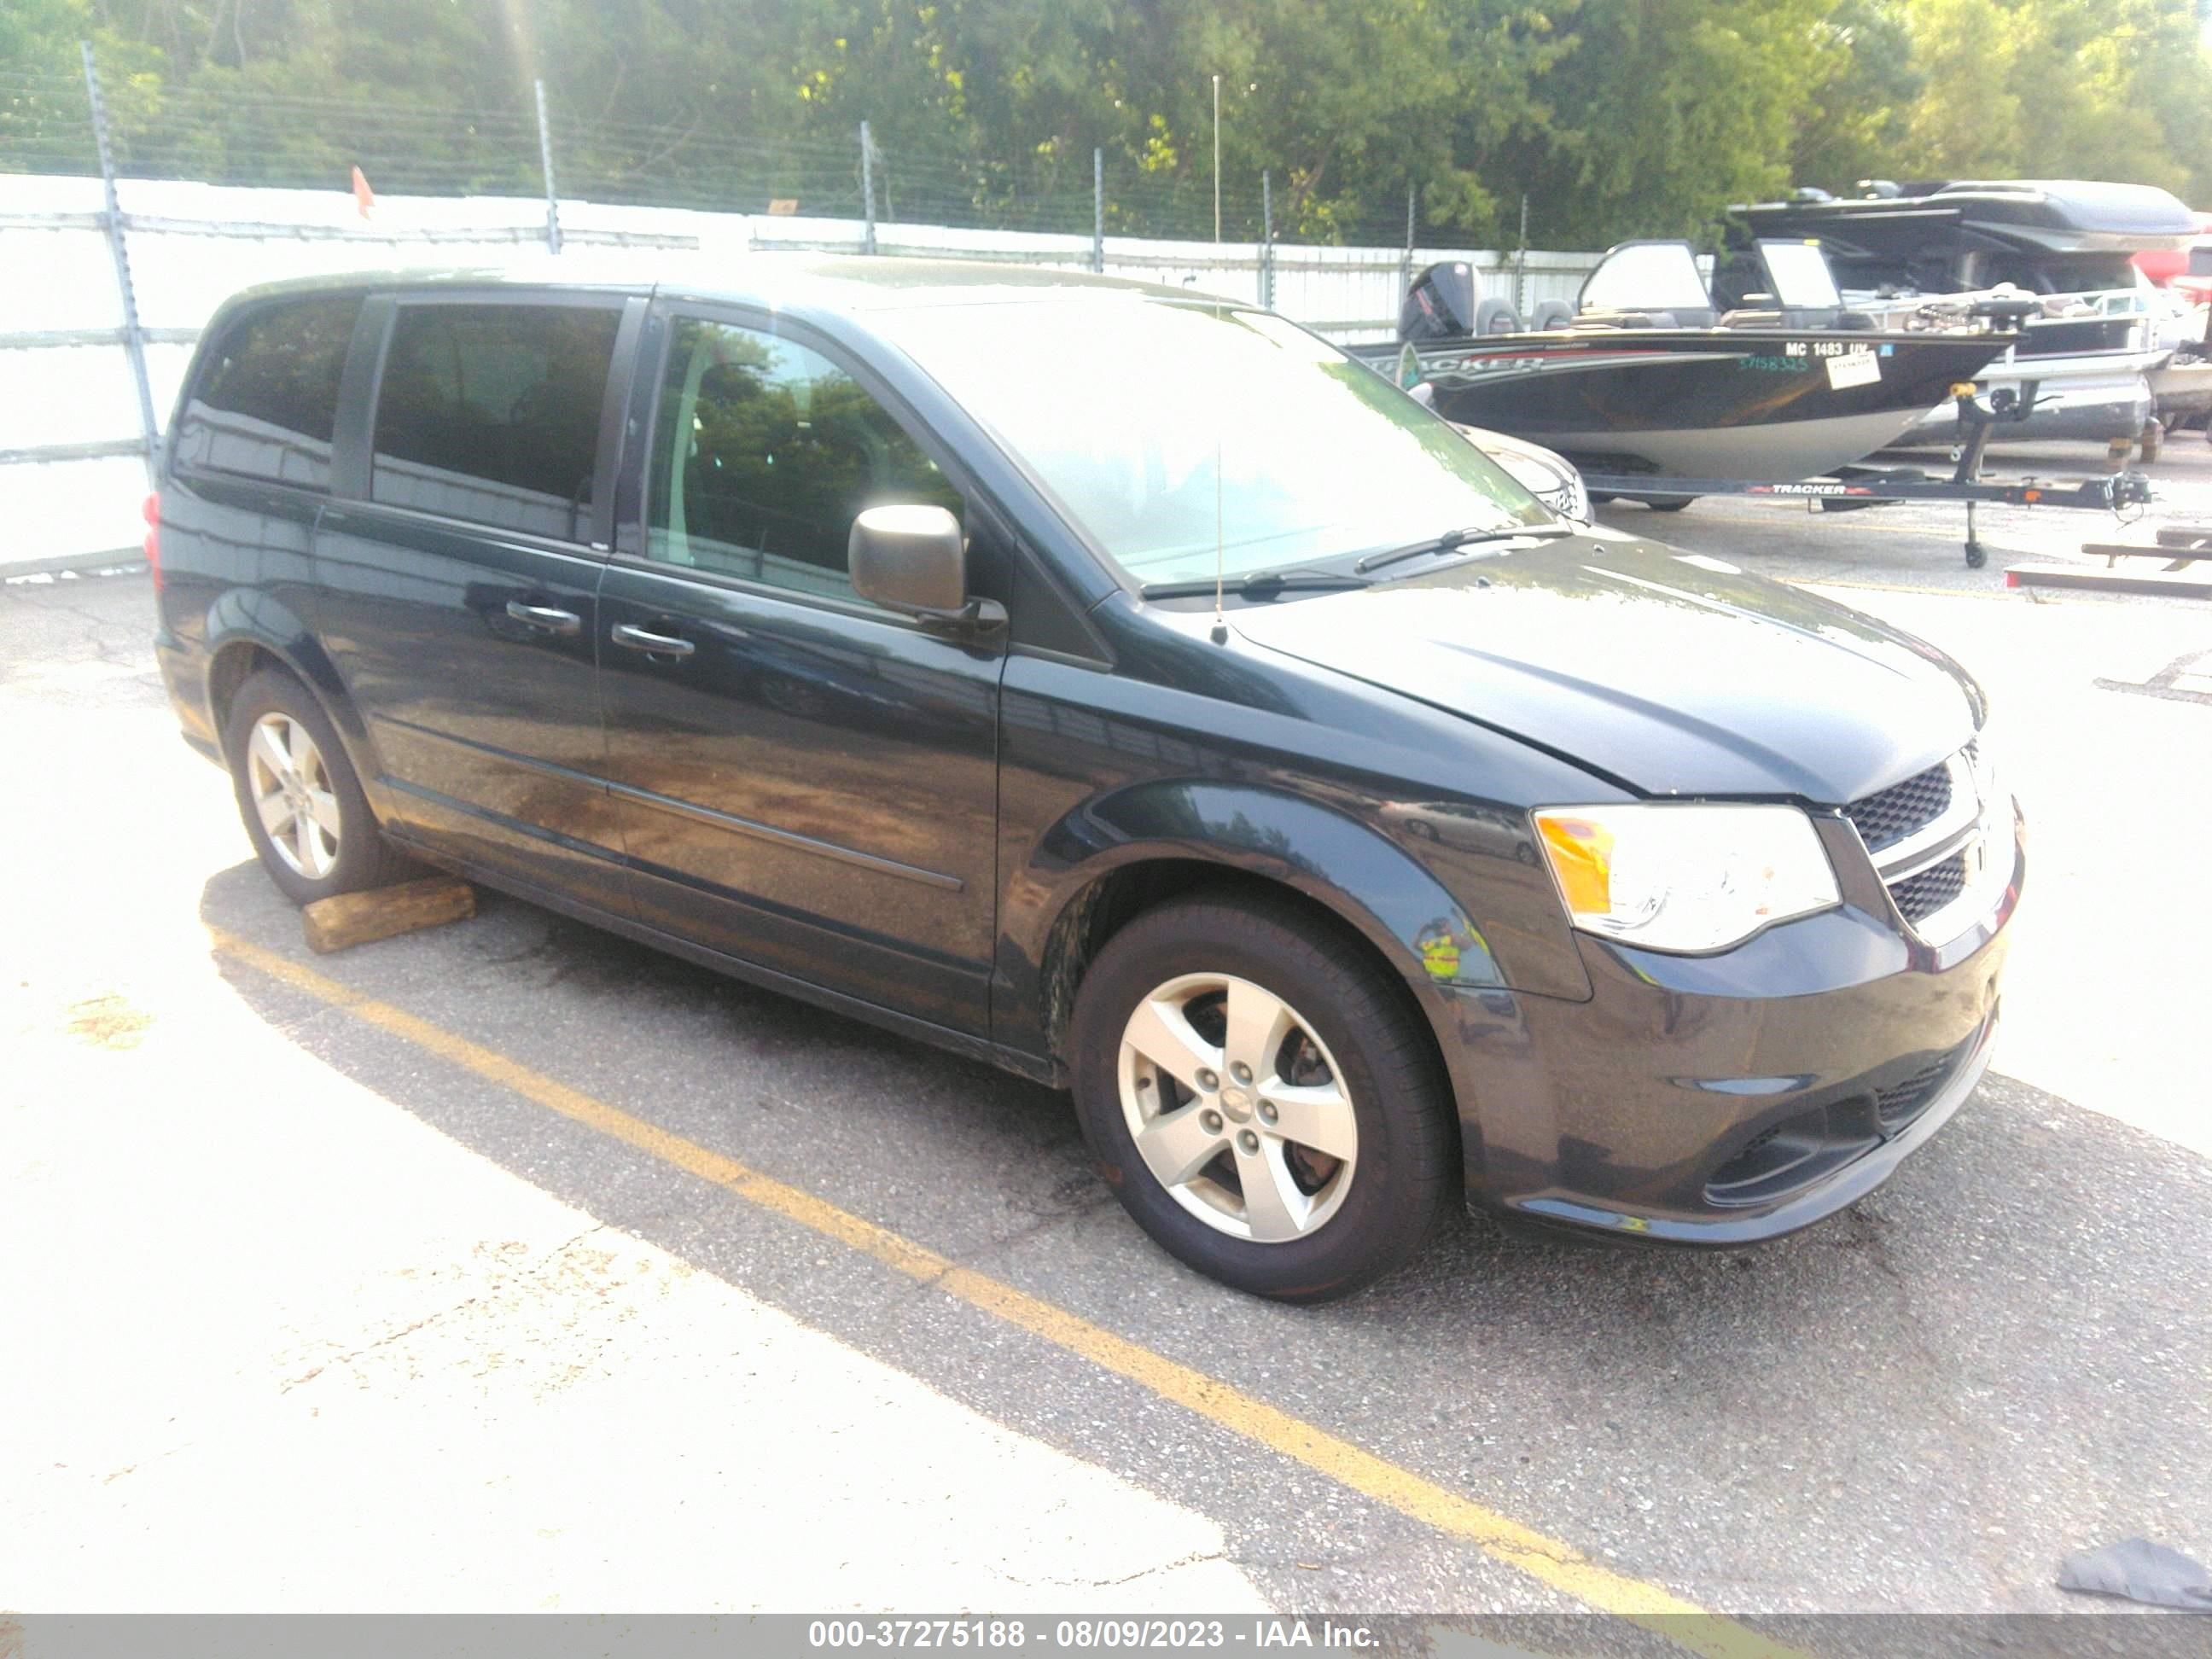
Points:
point(361, 193)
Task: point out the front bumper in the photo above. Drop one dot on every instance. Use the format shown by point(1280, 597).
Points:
point(1727, 1099)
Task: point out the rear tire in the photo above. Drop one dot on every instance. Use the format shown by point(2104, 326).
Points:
point(302, 806)
point(1298, 1141)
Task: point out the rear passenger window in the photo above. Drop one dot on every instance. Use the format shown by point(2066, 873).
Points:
point(491, 413)
point(265, 402)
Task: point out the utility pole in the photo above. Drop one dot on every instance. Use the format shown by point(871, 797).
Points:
point(1217, 157)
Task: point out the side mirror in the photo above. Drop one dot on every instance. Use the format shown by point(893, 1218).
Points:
point(909, 558)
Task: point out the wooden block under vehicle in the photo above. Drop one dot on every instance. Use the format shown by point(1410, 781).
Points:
point(333, 924)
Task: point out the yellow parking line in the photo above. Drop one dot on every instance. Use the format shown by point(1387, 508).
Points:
point(1544, 1558)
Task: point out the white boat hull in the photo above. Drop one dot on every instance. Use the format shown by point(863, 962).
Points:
point(1779, 452)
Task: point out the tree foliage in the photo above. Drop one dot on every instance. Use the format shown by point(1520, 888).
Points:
point(1613, 118)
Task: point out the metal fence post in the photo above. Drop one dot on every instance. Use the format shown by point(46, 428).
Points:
point(867, 190)
point(1405, 263)
point(545, 162)
point(134, 337)
point(1520, 261)
point(1098, 210)
point(1267, 246)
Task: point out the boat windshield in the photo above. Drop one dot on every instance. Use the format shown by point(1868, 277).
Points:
point(1162, 424)
point(1646, 277)
point(1798, 276)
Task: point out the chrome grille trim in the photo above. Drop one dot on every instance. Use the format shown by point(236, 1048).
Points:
point(1924, 845)
point(1974, 832)
point(1895, 871)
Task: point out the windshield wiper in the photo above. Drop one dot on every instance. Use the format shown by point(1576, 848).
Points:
point(1257, 582)
point(1452, 539)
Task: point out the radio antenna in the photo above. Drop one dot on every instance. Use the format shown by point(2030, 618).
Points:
point(1220, 628)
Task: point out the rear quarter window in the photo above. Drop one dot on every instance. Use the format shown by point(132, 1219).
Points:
point(490, 413)
point(264, 399)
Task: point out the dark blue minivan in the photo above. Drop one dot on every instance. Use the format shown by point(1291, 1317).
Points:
point(1122, 686)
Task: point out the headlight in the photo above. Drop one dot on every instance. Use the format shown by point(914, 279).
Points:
point(1553, 479)
point(1670, 876)
point(1572, 501)
point(1560, 487)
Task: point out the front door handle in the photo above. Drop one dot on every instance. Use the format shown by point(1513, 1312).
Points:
point(545, 617)
point(657, 645)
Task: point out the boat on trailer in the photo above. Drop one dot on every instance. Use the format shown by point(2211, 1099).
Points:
point(1926, 256)
point(1648, 376)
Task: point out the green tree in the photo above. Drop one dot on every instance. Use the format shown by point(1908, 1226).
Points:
point(1666, 111)
point(1966, 122)
point(1615, 118)
point(1853, 120)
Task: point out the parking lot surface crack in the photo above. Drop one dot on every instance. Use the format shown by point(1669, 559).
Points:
point(499, 1283)
point(1196, 1558)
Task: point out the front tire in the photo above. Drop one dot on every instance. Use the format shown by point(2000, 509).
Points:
point(1261, 1099)
point(303, 807)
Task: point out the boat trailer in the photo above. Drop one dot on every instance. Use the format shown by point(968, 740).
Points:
point(2124, 495)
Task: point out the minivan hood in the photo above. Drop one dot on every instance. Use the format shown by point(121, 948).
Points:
point(1670, 673)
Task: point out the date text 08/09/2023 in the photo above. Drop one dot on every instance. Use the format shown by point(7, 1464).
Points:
point(1074, 1635)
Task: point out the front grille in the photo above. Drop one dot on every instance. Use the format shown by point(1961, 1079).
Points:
point(1921, 897)
point(1888, 816)
point(1901, 825)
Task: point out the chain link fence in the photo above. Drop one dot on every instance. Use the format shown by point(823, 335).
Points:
point(231, 134)
point(128, 210)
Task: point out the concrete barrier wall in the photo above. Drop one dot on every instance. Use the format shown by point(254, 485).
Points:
point(72, 468)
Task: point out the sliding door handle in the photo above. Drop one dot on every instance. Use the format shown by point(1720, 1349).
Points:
point(545, 617)
point(654, 645)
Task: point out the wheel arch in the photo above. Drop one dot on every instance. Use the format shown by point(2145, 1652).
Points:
point(1120, 895)
point(1133, 849)
point(242, 642)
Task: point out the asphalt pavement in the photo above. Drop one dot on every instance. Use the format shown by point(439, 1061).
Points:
point(560, 1357)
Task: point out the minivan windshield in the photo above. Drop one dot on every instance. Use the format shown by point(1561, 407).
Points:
point(1157, 422)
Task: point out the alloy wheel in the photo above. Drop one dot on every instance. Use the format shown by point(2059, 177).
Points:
point(1237, 1107)
point(292, 794)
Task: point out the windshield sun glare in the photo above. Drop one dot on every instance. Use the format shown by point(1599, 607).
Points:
point(1161, 425)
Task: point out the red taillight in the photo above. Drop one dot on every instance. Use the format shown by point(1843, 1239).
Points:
point(153, 512)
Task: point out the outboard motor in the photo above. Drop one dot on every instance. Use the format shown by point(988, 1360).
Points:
point(1440, 305)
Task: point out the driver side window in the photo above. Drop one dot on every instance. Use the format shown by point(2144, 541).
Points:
point(764, 452)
